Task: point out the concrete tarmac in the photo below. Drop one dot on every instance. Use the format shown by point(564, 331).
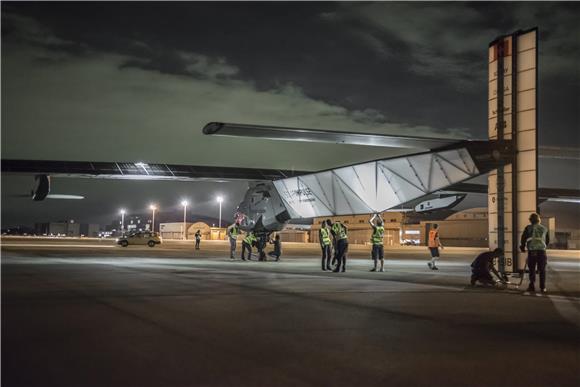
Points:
point(88, 313)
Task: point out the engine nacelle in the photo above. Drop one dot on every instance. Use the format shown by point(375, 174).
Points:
point(41, 187)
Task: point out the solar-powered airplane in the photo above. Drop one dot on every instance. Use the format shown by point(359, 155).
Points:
point(435, 170)
point(433, 167)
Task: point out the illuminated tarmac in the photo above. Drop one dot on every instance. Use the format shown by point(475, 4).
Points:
point(88, 313)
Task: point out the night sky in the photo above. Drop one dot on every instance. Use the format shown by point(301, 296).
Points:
point(137, 82)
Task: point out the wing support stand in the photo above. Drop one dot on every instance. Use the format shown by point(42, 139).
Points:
point(512, 116)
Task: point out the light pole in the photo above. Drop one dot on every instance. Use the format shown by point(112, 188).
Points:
point(122, 221)
point(184, 204)
point(152, 207)
point(220, 200)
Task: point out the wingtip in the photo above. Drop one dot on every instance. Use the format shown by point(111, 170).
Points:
point(212, 127)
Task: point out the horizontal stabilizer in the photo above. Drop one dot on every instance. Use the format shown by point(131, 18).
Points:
point(324, 136)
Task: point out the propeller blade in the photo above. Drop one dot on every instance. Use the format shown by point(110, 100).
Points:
point(61, 196)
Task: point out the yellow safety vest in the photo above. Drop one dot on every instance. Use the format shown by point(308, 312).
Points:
point(537, 240)
point(378, 234)
point(325, 237)
point(249, 239)
point(234, 231)
point(339, 230)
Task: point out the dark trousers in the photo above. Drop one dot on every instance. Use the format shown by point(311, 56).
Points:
point(334, 251)
point(197, 244)
point(537, 258)
point(246, 246)
point(342, 249)
point(482, 276)
point(232, 247)
point(326, 252)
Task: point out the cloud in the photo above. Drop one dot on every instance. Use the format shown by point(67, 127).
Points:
point(449, 40)
point(95, 107)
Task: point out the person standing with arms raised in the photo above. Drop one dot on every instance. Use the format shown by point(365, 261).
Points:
point(377, 241)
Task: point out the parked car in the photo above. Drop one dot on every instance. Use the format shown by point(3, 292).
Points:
point(140, 238)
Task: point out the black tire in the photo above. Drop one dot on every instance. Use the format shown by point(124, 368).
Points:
point(124, 243)
point(151, 244)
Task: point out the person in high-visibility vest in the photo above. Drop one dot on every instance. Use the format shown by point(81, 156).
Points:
point(233, 233)
point(536, 239)
point(324, 239)
point(434, 244)
point(247, 243)
point(340, 233)
point(377, 241)
point(197, 239)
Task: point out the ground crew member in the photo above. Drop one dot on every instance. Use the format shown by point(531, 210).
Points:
point(329, 226)
point(247, 243)
point(340, 231)
point(377, 241)
point(483, 265)
point(197, 239)
point(233, 233)
point(434, 244)
point(261, 243)
point(277, 252)
point(536, 239)
point(324, 239)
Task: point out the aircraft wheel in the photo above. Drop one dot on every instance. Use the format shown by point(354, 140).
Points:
point(124, 243)
point(151, 244)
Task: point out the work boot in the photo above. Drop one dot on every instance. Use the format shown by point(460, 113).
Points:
point(374, 269)
point(329, 268)
point(382, 270)
point(323, 268)
point(430, 265)
point(435, 267)
point(531, 288)
point(544, 290)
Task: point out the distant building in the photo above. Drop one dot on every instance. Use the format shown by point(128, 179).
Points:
point(69, 229)
point(174, 230)
point(91, 230)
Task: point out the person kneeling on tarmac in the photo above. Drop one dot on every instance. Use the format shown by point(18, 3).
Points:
point(482, 267)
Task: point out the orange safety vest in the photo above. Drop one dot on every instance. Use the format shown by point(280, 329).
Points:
point(433, 235)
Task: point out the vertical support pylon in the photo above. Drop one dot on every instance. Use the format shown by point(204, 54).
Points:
point(512, 115)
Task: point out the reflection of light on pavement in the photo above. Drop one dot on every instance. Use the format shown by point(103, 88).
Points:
point(567, 307)
point(57, 245)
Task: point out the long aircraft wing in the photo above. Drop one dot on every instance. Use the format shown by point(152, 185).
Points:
point(325, 136)
point(142, 171)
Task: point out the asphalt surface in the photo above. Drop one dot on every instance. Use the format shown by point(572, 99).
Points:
point(88, 313)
